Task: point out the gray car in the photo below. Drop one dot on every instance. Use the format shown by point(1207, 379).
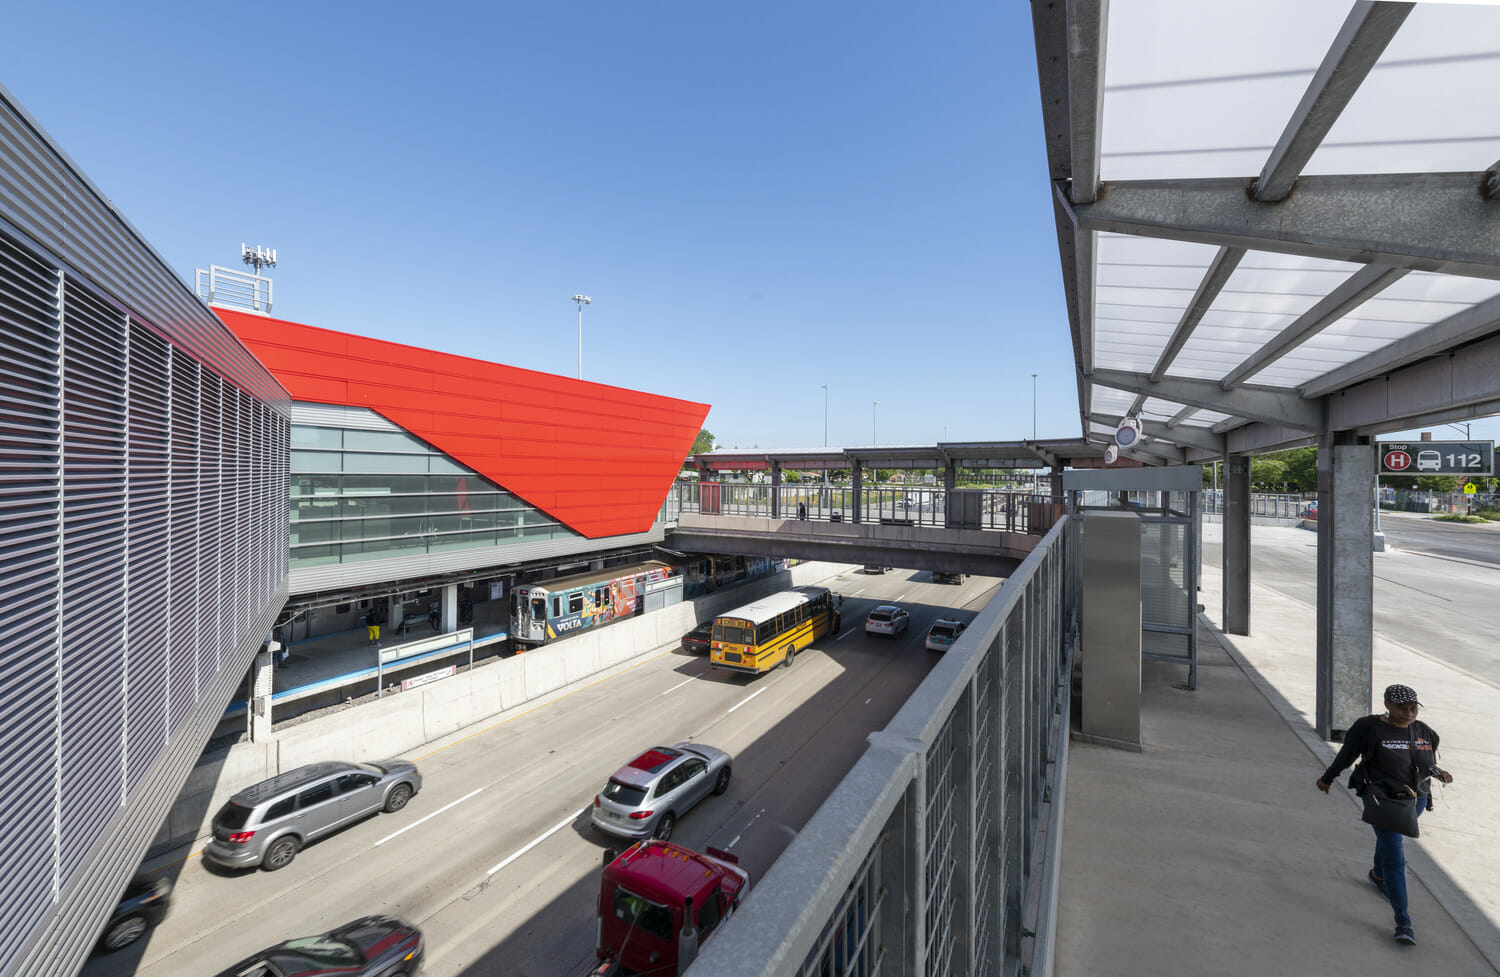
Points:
point(267, 824)
point(645, 797)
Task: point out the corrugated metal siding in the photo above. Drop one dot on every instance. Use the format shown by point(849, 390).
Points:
point(30, 349)
point(181, 649)
point(94, 533)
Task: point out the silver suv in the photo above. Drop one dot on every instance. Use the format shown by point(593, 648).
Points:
point(645, 797)
point(267, 824)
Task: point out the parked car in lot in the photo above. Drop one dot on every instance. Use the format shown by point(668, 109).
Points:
point(699, 640)
point(142, 906)
point(267, 824)
point(944, 631)
point(374, 946)
point(887, 619)
point(644, 798)
point(1311, 511)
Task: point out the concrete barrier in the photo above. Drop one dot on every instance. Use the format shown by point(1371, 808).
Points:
point(405, 721)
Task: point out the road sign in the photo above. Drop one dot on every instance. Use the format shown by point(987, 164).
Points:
point(1436, 457)
point(1470, 489)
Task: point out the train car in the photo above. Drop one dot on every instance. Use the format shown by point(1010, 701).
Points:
point(549, 609)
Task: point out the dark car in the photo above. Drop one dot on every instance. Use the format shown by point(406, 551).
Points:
point(143, 905)
point(375, 946)
point(698, 640)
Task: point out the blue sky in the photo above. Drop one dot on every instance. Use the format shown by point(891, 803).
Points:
point(759, 198)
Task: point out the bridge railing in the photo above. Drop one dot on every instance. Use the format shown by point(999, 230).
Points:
point(937, 854)
point(993, 509)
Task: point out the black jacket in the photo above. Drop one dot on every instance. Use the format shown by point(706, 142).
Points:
point(1389, 763)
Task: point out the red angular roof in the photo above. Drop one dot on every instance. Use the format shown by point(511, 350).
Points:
point(600, 459)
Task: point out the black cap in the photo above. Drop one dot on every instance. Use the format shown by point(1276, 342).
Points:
point(1398, 695)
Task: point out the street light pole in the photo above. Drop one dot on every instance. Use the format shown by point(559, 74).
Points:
point(874, 416)
point(825, 413)
point(582, 300)
point(1033, 407)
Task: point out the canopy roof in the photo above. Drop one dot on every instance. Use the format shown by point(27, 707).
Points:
point(1275, 223)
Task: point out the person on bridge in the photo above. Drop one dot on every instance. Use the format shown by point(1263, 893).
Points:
point(1398, 754)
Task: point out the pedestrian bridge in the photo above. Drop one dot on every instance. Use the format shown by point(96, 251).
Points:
point(978, 531)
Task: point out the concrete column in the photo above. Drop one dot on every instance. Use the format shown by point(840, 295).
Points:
point(1346, 582)
point(775, 490)
point(950, 476)
point(395, 610)
point(858, 486)
point(449, 607)
point(1236, 610)
point(1054, 479)
point(261, 687)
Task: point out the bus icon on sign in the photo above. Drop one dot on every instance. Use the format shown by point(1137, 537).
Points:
point(1397, 461)
point(1429, 461)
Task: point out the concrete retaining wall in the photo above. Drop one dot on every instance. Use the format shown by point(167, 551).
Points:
point(405, 721)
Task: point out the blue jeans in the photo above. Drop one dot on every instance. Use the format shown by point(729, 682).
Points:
point(1390, 866)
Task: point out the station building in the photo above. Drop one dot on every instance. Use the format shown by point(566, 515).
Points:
point(170, 474)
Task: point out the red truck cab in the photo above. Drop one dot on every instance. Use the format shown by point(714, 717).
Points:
point(644, 898)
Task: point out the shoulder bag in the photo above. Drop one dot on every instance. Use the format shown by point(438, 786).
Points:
point(1385, 811)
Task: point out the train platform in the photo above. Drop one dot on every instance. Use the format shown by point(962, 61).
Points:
point(1212, 852)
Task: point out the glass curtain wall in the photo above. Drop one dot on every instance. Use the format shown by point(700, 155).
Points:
point(364, 495)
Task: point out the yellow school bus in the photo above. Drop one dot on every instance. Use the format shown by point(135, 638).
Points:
point(759, 636)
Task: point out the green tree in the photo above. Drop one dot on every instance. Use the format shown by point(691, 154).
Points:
point(702, 443)
point(1301, 469)
point(1267, 473)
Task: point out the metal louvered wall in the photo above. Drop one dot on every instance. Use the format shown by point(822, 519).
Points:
point(143, 548)
point(937, 854)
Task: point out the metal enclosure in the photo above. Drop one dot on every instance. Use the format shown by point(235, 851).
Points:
point(1168, 503)
point(1110, 639)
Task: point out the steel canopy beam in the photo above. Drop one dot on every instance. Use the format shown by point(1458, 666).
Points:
point(1181, 416)
point(1087, 21)
point(1352, 293)
point(1423, 221)
point(1473, 323)
point(1366, 32)
point(1249, 402)
point(1218, 273)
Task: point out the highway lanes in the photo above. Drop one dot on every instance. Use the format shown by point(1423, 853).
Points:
point(496, 860)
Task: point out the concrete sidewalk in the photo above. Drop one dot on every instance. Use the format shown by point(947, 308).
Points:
point(1211, 852)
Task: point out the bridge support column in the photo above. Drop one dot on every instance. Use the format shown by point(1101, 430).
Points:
point(1346, 581)
point(261, 686)
point(1236, 555)
point(775, 491)
point(450, 608)
point(859, 490)
point(950, 476)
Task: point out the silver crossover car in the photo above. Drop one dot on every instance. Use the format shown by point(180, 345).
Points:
point(944, 631)
point(887, 619)
point(267, 824)
point(645, 797)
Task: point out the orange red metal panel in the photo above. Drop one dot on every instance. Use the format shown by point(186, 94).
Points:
point(598, 458)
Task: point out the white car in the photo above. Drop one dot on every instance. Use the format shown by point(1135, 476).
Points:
point(887, 619)
point(1429, 461)
point(944, 631)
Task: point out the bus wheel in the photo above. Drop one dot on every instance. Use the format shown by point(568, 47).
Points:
point(791, 652)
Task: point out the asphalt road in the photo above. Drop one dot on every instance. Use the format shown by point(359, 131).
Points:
point(1448, 540)
point(1440, 604)
point(496, 861)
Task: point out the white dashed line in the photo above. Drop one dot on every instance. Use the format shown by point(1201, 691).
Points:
point(538, 840)
point(677, 686)
point(429, 817)
point(746, 699)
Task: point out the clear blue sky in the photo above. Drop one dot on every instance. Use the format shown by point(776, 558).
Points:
point(759, 198)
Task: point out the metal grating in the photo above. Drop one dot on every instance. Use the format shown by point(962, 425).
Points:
point(939, 818)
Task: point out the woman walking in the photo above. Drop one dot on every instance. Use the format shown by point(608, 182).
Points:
point(1398, 756)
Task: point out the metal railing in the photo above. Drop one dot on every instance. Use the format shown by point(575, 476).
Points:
point(1262, 504)
point(991, 509)
point(937, 854)
point(226, 286)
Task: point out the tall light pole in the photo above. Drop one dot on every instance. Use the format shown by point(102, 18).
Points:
point(1033, 407)
point(582, 300)
point(825, 413)
point(874, 416)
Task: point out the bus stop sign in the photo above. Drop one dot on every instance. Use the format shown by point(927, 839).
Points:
point(1396, 460)
point(1466, 458)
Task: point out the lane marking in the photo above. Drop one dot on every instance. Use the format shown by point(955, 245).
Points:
point(427, 818)
point(746, 699)
point(745, 828)
point(734, 842)
point(847, 633)
point(857, 592)
point(538, 840)
point(678, 686)
point(901, 595)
